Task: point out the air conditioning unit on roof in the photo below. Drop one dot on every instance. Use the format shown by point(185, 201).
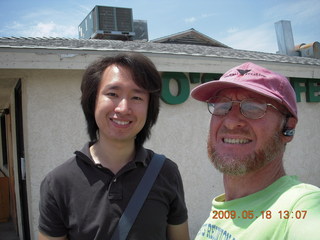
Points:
point(107, 23)
point(141, 30)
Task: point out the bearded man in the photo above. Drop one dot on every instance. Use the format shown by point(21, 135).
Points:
point(254, 114)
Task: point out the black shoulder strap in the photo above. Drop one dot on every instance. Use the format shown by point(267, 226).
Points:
point(138, 198)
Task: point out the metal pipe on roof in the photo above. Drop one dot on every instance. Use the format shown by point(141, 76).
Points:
point(285, 38)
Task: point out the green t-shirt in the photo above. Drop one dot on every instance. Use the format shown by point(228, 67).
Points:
point(287, 209)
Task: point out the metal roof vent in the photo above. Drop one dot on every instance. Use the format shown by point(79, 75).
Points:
point(311, 50)
point(285, 38)
point(286, 44)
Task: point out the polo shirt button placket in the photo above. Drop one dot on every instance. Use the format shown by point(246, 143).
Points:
point(113, 180)
point(115, 189)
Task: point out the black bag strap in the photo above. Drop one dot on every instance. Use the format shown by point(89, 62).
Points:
point(138, 198)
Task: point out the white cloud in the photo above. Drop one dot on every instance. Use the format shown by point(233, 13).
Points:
point(46, 22)
point(202, 16)
point(206, 15)
point(190, 20)
point(45, 29)
point(52, 29)
point(260, 39)
point(232, 30)
point(41, 29)
point(302, 11)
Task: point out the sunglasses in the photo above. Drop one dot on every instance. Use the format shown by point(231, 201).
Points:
point(250, 108)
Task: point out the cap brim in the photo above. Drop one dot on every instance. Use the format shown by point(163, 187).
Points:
point(207, 90)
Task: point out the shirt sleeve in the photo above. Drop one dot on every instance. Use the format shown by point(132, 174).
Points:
point(50, 218)
point(178, 211)
point(304, 218)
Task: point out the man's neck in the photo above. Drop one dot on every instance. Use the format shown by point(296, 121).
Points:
point(241, 186)
point(112, 155)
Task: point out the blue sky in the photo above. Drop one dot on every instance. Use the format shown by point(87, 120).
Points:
point(240, 24)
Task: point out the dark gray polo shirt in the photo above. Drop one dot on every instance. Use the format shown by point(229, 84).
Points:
point(85, 201)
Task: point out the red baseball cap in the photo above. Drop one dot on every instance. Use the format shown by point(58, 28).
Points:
point(254, 78)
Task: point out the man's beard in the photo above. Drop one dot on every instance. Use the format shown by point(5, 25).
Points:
point(238, 166)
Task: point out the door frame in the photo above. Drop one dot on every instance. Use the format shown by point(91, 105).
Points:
point(21, 162)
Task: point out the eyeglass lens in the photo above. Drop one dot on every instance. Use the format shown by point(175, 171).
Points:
point(250, 108)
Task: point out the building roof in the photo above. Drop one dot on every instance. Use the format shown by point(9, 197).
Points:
point(94, 45)
point(192, 37)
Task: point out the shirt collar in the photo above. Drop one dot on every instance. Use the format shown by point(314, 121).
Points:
point(140, 157)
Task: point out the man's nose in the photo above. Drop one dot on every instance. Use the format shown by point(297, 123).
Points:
point(234, 117)
point(123, 106)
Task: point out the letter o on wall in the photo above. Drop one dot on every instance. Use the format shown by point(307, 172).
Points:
point(183, 88)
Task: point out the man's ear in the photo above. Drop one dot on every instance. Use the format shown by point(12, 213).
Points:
point(289, 129)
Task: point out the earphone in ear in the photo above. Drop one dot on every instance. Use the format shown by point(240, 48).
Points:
point(288, 132)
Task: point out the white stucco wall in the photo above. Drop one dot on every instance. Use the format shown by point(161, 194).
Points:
point(54, 127)
point(302, 156)
point(181, 134)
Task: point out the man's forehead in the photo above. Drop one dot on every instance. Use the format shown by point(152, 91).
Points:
point(242, 93)
point(238, 91)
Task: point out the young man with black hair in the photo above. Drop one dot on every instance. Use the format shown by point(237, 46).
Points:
point(84, 198)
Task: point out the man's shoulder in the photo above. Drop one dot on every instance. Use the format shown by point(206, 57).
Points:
point(169, 165)
point(302, 195)
point(65, 172)
point(305, 189)
point(306, 192)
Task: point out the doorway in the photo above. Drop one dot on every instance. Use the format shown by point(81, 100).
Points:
point(21, 162)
